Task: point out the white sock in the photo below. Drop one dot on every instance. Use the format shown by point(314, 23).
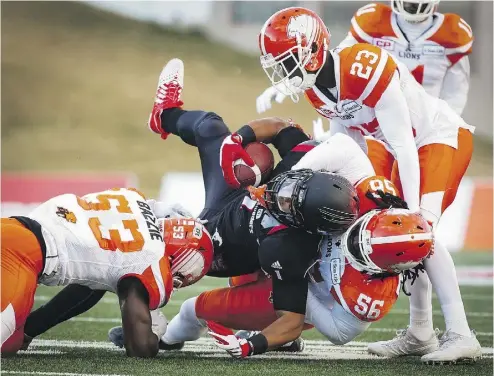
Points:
point(421, 308)
point(442, 273)
point(185, 326)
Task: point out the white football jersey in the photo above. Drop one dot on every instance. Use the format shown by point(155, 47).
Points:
point(100, 238)
point(429, 57)
point(335, 279)
point(363, 73)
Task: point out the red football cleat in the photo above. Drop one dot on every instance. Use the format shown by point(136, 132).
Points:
point(168, 93)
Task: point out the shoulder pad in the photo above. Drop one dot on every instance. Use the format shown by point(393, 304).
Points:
point(359, 64)
point(454, 34)
point(372, 21)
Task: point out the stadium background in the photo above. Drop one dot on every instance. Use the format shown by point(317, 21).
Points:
point(78, 82)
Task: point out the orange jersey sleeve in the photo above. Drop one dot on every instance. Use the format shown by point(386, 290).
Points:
point(372, 185)
point(365, 73)
point(455, 35)
point(368, 299)
point(372, 21)
point(157, 280)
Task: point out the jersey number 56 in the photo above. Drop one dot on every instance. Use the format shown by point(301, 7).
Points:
point(367, 307)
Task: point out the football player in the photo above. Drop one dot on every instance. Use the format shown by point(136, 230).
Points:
point(433, 46)
point(366, 91)
point(108, 241)
point(245, 236)
point(342, 301)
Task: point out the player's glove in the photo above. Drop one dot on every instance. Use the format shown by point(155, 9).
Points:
point(319, 134)
point(386, 200)
point(232, 150)
point(263, 101)
point(226, 340)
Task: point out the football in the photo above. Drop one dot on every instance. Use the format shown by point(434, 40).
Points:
point(264, 163)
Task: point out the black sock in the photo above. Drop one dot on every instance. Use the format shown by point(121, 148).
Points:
point(169, 118)
point(71, 301)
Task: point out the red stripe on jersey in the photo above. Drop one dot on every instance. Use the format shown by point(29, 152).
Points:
point(303, 148)
point(276, 229)
point(456, 57)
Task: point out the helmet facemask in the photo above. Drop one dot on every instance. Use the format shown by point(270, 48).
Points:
point(364, 247)
point(284, 194)
point(358, 248)
point(414, 11)
point(287, 72)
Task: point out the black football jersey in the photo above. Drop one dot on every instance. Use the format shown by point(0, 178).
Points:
point(247, 238)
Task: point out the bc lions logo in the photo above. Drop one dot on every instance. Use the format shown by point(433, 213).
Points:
point(67, 215)
point(302, 26)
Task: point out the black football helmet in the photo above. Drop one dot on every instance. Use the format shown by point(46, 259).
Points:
point(319, 202)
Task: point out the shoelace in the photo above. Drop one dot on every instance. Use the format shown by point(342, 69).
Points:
point(447, 339)
point(170, 89)
point(401, 333)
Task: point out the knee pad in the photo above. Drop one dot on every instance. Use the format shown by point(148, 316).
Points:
point(211, 125)
point(188, 309)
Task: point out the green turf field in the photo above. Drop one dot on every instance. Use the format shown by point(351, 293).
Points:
point(80, 346)
point(91, 78)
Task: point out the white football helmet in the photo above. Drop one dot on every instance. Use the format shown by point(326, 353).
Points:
point(414, 10)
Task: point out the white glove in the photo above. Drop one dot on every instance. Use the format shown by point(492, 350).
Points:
point(263, 101)
point(158, 323)
point(226, 340)
point(162, 210)
point(319, 133)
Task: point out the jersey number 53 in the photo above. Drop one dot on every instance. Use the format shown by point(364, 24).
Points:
point(114, 241)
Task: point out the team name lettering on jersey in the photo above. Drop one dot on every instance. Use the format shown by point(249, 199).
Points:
point(409, 55)
point(151, 222)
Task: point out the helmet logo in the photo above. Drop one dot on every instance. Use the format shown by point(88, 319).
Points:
point(302, 25)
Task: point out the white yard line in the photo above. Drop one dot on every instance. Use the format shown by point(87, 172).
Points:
point(40, 352)
point(390, 330)
point(314, 350)
point(398, 311)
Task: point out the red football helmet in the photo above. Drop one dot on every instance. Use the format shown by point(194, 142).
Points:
point(189, 248)
point(389, 240)
point(294, 44)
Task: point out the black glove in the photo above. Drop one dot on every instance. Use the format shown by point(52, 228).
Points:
point(386, 200)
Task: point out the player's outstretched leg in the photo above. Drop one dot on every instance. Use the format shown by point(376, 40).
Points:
point(204, 130)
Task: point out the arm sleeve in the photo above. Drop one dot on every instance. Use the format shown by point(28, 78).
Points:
point(348, 41)
point(341, 155)
point(456, 85)
point(287, 139)
point(336, 127)
point(393, 116)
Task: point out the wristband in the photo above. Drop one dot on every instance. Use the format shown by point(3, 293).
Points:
point(247, 134)
point(258, 344)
